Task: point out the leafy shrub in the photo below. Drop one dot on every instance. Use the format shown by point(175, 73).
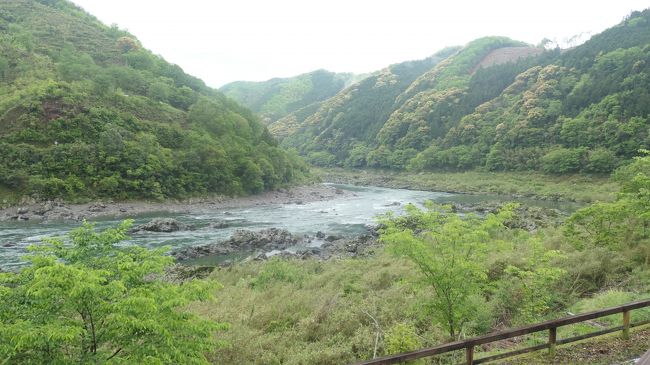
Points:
point(563, 160)
point(49, 188)
point(96, 300)
point(321, 158)
point(601, 161)
point(402, 337)
point(379, 157)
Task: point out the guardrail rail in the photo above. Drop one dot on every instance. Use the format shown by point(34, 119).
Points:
point(550, 326)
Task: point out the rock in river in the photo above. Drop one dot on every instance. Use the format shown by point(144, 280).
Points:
point(160, 225)
point(242, 240)
point(266, 239)
point(260, 244)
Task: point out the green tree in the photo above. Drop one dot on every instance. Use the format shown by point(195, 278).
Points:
point(449, 252)
point(401, 158)
point(357, 156)
point(4, 67)
point(379, 157)
point(321, 158)
point(532, 284)
point(96, 300)
point(496, 159)
point(160, 91)
point(563, 160)
point(601, 161)
point(622, 225)
point(251, 177)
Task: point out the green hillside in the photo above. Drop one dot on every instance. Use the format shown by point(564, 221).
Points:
point(86, 111)
point(497, 104)
point(433, 95)
point(355, 114)
point(275, 98)
point(587, 111)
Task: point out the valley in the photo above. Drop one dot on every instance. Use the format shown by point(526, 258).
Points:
point(323, 218)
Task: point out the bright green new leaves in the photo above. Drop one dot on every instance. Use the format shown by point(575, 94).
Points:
point(98, 301)
point(449, 251)
point(402, 337)
point(532, 284)
point(623, 225)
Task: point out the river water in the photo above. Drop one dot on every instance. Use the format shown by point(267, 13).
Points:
point(340, 216)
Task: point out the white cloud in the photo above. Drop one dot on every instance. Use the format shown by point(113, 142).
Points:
point(223, 41)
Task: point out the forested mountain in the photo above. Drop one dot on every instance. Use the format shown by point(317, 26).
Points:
point(356, 113)
point(86, 111)
point(275, 98)
point(496, 104)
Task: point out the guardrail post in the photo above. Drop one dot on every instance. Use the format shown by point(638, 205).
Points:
point(552, 338)
point(626, 325)
point(469, 351)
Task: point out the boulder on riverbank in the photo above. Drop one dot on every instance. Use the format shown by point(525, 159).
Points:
point(49, 210)
point(529, 218)
point(181, 273)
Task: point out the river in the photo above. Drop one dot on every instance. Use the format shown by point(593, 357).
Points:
point(347, 215)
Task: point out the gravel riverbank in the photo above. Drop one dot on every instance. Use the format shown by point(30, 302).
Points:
point(60, 211)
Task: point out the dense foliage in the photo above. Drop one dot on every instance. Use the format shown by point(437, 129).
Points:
point(85, 111)
point(441, 276)
point(448, 250)
point(327, 131)
point(619, 226)
point(98, 301)
point(497, 105)
point(275, 98)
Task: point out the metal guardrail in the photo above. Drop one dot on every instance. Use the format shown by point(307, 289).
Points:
point(550, 326)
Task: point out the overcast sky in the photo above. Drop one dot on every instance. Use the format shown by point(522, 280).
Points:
point(224, 41)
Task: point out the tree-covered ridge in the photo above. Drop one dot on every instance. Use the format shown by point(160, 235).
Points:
point(275, 98)
point(86, 111)
point(437, 100)
point(354, 115)
point(585, 110)
point(455, 71)
point(516, 121)
point(558, 119)
point(633, 31)
point(414, 112)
